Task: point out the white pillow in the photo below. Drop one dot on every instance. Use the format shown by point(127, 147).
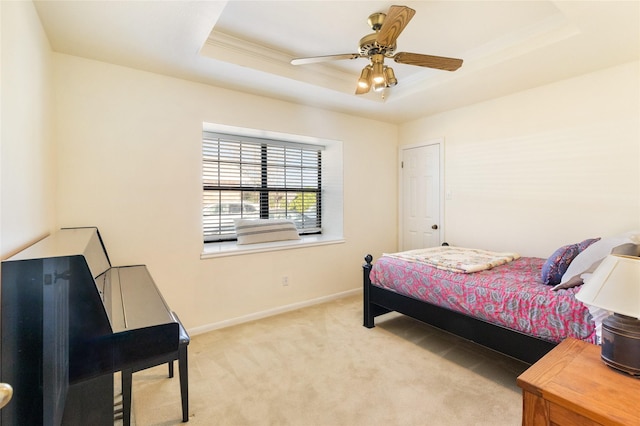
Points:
point(589, 259)
point(598, 315)
point(252, 231)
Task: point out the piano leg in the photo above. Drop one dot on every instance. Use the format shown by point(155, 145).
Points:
point(184, 381)
point(180, 355)
point(127, 379)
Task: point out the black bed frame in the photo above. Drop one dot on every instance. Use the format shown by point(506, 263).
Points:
point(379, 301)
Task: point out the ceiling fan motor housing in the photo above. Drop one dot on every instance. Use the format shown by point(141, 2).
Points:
point(369, 47)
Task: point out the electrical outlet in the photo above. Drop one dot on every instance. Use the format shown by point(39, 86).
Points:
point(285, 281)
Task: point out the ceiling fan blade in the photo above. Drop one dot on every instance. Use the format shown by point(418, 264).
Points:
point(438, 62)
point(396, 20)
point(326, 58)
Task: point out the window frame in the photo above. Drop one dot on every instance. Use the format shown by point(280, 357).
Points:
point(279, 168)
point(332, 197)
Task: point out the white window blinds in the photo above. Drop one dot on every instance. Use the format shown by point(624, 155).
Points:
point(245, 177)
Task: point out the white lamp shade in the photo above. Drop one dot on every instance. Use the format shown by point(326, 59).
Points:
point(614, 286)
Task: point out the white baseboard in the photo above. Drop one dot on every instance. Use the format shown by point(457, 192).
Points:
point(270, 312)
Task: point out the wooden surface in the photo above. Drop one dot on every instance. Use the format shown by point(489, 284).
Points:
point(572, 386)
point(397, 19)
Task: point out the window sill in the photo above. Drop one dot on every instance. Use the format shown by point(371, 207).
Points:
point(213, 250)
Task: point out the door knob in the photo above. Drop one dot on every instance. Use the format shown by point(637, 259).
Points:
point(434, 226)
point(6, 392)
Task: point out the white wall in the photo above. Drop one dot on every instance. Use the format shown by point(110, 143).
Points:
point(129, 156)
point(27, 186)
point(542, 168)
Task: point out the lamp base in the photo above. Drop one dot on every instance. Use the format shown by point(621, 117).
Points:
point(621, 343)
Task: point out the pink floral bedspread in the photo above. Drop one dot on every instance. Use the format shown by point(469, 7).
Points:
point(511, 295)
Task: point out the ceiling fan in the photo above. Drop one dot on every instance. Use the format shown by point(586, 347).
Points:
point(382, 44)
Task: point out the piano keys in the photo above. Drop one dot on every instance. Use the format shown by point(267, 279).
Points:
point(69, 320)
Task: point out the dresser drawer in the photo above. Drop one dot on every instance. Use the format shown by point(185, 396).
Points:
point(562, 416)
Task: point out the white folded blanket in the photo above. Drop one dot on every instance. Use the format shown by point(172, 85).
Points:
point(456, 259)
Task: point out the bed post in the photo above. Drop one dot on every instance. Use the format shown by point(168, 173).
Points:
point(369, 321)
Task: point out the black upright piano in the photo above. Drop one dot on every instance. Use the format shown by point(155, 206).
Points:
point(68, 321)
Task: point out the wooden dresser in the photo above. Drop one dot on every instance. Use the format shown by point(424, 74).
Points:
point(572, 386)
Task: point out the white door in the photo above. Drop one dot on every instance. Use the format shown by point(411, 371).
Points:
point(420, 197)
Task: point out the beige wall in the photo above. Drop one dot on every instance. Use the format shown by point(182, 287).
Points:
point(27, 180)
point(126, 158)
point(542, 168)
point(129, 156)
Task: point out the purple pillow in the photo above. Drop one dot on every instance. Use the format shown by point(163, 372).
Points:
point(557, 264)
point(586, 243)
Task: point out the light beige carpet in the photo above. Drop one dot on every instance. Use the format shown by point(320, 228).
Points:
point(320, 366)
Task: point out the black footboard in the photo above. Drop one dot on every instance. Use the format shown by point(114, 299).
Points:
point(371, 310)
point(378, 301)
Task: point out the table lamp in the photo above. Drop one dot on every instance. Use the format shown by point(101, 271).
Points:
point(615, 286)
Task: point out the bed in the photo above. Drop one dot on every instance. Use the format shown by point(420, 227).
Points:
point(512, 307)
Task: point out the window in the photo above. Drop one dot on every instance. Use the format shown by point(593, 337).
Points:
point(251, 177)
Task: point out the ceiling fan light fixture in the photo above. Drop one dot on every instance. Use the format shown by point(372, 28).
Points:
point(378, 87)
point(390, 77)
point(365, 78)
point(378, 72)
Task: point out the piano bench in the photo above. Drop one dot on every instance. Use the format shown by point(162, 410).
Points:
point(180, 355)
